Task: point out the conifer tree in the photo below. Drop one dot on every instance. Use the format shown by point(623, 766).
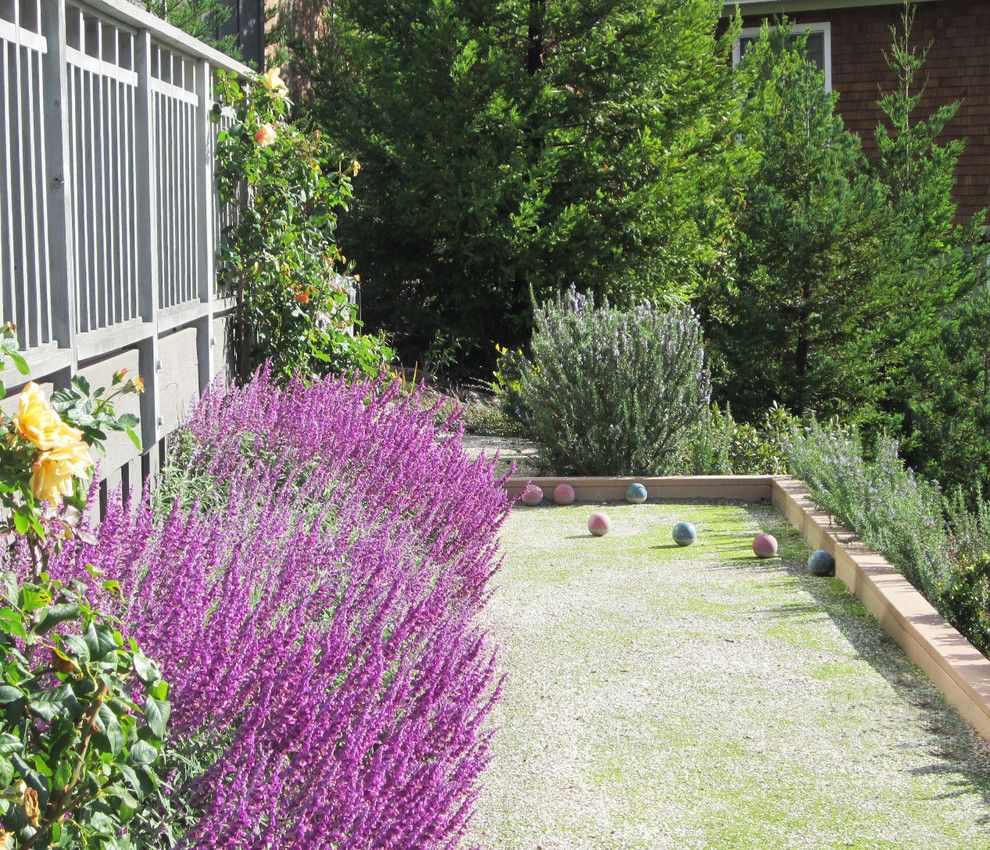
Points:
point(514, 147)
point(202, 19)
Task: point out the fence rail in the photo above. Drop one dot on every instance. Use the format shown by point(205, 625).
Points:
point(108, 214)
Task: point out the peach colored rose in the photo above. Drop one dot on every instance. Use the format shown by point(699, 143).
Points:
point(265, 135)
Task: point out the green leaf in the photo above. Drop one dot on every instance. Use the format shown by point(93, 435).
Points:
point(63, 774)
point(142, 754)
point(19, 362)
point(8, 694)
point(92, 641)
point(11, 623)
point(159, 690)
point(111, 730)
point(6, 771)
point(131, 777)
point(146, 669)
point(78, 646)
point(134, 438)
point(157, 713)
point(33, 597)
point(52, 616)
point(50, 704)
point(21, 522)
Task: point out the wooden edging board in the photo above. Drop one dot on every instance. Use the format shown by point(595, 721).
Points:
point(959, 670)
point(741, 488)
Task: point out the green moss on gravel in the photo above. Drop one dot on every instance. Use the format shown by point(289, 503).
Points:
point(661, 697)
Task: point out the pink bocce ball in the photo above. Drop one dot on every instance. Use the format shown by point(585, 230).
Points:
point(764, 545)
point(599, 524)
point(563, 494)
point(532, 495)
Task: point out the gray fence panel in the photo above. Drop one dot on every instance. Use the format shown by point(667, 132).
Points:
point(108, 216)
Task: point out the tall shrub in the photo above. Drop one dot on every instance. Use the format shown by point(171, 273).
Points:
point(317, 616)
point(808, 254)
point(523, 145)
point(948, 409)
point(845, 264)
point(935, 325)
point(614, 391)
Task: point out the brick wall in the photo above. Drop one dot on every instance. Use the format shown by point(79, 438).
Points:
point(958, 69)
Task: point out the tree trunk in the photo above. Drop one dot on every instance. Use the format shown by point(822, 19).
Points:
point(536, 53)
point(802, 351)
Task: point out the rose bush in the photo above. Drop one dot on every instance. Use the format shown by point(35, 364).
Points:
point(82, 710)
point(279, 255)
point(45, 461)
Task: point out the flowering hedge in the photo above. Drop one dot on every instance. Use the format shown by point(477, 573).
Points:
point(316, 613)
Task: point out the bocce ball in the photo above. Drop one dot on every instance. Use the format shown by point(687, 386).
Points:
point(532, 495)
point(636, 493)
point(821, 563)
point(764, 545)
point(599, 524)
point(563, 494)
point(684, 534)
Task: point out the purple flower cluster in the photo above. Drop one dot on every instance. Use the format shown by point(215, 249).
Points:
point(318, 607)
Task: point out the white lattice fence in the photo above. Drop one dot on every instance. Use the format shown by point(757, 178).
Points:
point(25, 270)
point(108, 215)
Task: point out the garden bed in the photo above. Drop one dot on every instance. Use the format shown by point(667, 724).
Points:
point(699, 698)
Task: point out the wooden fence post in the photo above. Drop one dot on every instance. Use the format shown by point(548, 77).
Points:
point(147, 225)
point(208, 222)
point(56, 102)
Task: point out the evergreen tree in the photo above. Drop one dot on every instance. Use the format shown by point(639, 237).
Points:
point(935, 260)
point(808, 250)
point(948, 414)
point(845, 265)
point(514, 147)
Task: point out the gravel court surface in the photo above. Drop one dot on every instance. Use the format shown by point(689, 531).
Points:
point(660, 697)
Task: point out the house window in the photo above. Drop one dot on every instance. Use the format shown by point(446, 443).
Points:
point(818, 46)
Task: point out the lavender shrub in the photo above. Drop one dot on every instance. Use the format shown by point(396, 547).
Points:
point(612, 391)
point(881, 499)
point(320, 615)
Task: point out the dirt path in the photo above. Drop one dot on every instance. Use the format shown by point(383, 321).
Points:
point(698, 698)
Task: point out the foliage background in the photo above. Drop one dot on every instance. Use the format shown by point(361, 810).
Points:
point(514, 148)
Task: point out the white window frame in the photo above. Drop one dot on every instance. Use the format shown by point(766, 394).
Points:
point(823, 27)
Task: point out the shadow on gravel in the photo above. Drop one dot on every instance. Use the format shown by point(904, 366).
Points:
point(956, 750)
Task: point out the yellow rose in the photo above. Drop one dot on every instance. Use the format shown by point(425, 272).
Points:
point(39, 423)
point(273, 81)
point(54, 471)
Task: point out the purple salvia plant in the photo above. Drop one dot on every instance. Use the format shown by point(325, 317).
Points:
point(319, 610)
